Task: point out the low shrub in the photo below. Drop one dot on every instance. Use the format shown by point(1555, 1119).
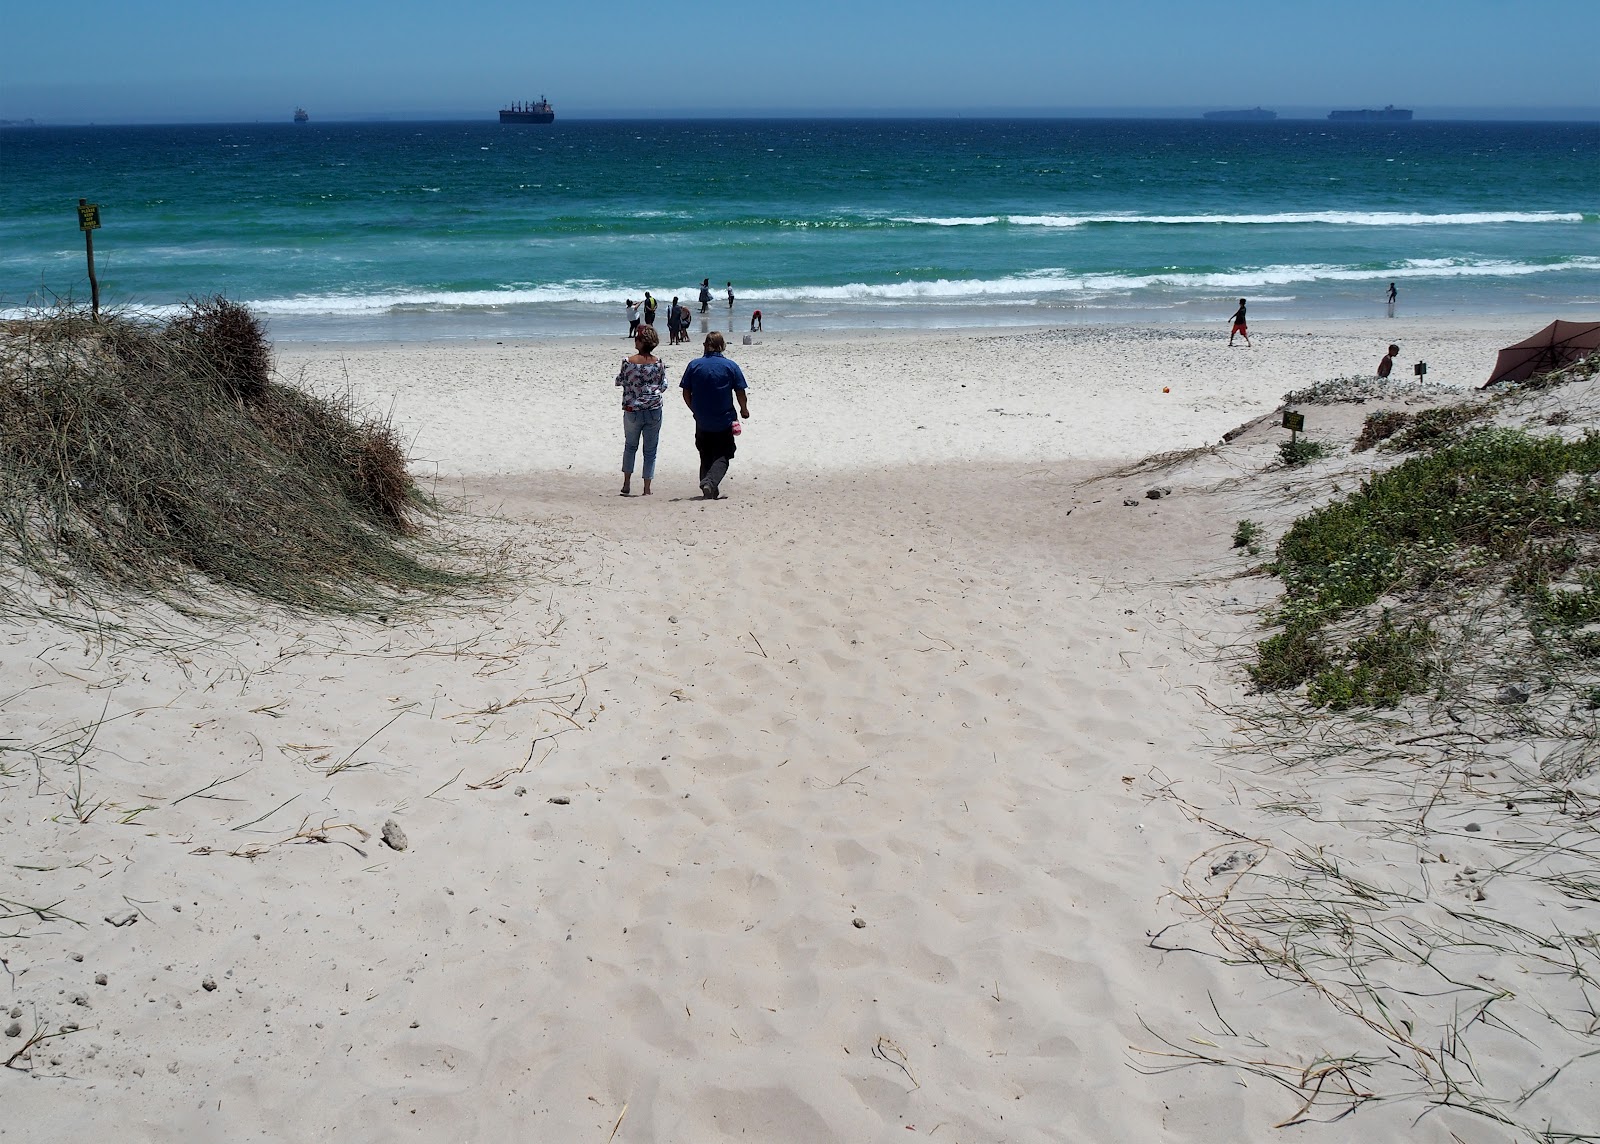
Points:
point(1383, 668)
point(1437, 426)
point(1571, 606)
point(1289, 658)
point(1497, 506)
point(1380, 425)
point(1299, 451)
point(1246, 534)
point(227, 343)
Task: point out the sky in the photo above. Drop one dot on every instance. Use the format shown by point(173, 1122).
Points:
point(185, 61)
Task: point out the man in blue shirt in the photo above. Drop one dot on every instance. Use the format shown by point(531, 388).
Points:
point(710, 386)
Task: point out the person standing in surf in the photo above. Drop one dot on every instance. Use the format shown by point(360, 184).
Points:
point(1241, 328)
point(710, 386)
point(673, 323)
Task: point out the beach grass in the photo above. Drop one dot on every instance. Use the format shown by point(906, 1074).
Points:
point(165, 457)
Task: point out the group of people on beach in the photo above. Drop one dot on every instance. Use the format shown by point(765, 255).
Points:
point(678, 317)
point(711, 385)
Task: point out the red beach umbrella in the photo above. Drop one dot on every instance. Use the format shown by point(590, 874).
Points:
point(1558, 344)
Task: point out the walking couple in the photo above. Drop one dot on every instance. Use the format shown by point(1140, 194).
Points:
point(710, 386)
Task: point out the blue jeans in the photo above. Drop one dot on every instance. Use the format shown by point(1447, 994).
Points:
point(645, 422)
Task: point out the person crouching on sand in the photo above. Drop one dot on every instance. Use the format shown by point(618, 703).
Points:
point(710, 386)
point(643, 378)
point(755, 320)
point(1240, 326)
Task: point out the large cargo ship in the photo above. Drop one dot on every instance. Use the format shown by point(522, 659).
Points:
point(537, 112)
point(1390, 114)
point(1254, 114)
point(300, 115)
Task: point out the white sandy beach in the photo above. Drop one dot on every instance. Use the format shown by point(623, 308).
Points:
point(833, 811)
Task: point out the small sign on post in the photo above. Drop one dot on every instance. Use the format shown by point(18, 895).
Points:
point(1294, 422)
point(89, 222)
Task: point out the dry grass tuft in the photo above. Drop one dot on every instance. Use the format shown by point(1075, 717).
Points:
point(136, 454)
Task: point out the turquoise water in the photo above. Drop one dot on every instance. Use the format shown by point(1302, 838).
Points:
point(393, 231)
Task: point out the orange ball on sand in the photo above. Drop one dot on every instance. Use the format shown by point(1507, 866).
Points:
point(1166, 389)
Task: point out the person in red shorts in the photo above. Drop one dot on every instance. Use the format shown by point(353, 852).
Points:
point(1240, 327)
point(755, 320)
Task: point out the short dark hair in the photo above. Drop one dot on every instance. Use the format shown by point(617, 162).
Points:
point(647, 339)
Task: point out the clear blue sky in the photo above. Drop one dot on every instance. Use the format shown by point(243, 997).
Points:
point(187, 61)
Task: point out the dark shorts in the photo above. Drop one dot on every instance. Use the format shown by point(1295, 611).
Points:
point(714, 447)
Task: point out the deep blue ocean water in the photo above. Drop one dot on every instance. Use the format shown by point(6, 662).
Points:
point(436, 230)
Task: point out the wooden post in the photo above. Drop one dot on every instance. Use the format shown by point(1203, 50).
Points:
point(88, 220)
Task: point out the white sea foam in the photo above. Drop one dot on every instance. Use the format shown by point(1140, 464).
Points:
point(1286, 218)
point(1016, 289)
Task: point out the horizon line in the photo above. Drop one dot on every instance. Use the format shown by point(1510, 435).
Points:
point(1301, 113)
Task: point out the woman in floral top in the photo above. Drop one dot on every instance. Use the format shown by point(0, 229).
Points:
point(643, 378)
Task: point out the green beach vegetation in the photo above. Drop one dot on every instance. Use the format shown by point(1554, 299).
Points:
point(1369, 576)
point(1409, 832)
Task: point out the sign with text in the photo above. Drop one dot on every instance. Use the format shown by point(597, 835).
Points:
point(1294, 422)
point(88, 216)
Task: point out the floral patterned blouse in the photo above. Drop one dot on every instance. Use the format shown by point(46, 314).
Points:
point(642, 385)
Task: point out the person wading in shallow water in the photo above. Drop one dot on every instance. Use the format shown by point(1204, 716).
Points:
point(1240, 326)
point(710, 386)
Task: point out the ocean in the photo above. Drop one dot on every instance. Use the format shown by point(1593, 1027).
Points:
point(401, 231)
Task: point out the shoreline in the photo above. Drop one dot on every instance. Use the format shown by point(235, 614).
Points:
point(866, 399)
point(555, 322)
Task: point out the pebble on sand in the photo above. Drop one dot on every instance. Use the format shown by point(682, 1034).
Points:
point(393, 837)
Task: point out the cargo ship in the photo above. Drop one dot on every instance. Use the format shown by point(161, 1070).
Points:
point(537, 112)
point(1253, 115)
point(300, 115)
point(1390, 114)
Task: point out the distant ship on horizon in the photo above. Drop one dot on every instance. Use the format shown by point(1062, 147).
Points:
point(1254, 114)
point(1389, 114)
point(539, 111)
point(300, 115)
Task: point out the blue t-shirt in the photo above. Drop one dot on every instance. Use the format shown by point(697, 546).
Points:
point(711, 381)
